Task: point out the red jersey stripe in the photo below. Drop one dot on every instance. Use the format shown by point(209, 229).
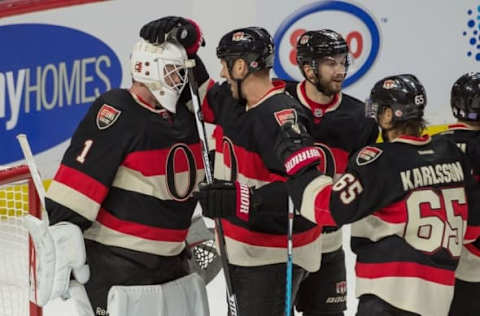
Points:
point(254, 169)
point(208, 114)
point(140, 230)
point(395, 213)
point(404, 269)
point(268, 240)
point(153, 162)
point(82, 183)
point(473, 249)
point(472, 233)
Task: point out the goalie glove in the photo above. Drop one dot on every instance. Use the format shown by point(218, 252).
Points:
point(60, 252)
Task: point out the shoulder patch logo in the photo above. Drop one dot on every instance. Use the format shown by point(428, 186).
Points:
point(284, 116)
point(106, 116)
point(367, 155)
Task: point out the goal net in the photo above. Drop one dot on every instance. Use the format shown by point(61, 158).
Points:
point(18, 197)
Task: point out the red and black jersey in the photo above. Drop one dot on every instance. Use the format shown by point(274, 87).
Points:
point(467, 139)
point(341, 124)
point(410, 202)
point(343, 127)
point(127, 177)
point(244, 141)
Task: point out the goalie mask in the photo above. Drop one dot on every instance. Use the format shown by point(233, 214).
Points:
point(162, 69)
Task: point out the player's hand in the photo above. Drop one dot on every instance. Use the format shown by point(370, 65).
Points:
point(185, 31)
point(226, 199)
point(295, 148)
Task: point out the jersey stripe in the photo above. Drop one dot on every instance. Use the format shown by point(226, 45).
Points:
point(82, 183)
point(404, 269)
point(139, 230)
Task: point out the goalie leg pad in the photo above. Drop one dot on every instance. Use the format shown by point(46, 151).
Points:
point(182, 297)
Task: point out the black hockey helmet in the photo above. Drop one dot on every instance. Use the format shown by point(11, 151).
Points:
point(253, 44)
point(404, 94)
point(313, 45)
point(465, 97)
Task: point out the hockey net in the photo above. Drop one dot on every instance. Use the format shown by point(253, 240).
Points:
point(18, 197)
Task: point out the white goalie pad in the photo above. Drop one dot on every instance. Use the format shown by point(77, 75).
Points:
point(60, 253)
point(183, 297)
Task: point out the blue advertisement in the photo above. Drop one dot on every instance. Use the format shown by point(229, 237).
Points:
point(49, 76)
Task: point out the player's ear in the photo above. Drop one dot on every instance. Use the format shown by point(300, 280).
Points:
point(240, 67)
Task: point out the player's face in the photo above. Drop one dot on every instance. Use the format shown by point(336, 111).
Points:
point(224, 73)
point(332, 72)
point(174, 75)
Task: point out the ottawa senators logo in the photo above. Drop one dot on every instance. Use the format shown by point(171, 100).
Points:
point(106, 116)
point(367, 155)
point(284, 116)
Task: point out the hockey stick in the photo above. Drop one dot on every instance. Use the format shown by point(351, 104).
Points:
point(37, 181)
point(231, 297)
point(288, 286)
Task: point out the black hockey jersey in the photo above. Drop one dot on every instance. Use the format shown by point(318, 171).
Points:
point(467, 139)
point(244, 152)
point(343, 127)
point(127, 177)
point(409, 202)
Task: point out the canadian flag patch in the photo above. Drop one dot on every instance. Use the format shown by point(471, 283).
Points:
point(367, 155)
point(106, 116)
point(284, 116)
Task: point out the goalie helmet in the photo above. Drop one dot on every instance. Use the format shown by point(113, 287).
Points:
point(314, 45)
point(162, 69)
point(253, 44)
point(404, 94)
point(465, 97)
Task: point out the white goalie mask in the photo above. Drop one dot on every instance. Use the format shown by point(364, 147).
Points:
point(162, 69)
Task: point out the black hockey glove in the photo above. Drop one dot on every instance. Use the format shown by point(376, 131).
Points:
point(226, 199)
point(295, 148)
point(187, 32)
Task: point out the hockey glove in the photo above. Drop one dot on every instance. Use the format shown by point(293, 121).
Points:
point(295, 148)
point(60, 251)
point(226, 199)
point(185, 31)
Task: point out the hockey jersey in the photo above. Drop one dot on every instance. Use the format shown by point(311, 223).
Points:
point(127, 177)
point(410, 203)
point(244, 152)
point(467, 139)
point(343, 127)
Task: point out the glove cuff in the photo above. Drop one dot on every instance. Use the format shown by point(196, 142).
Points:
point(191, 50)
point(243, 201)
point(301, 158)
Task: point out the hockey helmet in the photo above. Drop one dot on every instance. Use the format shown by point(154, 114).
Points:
point(314, 45)
point(252, 44)
point(404, 94)
point(465, 97)
point(162, 69)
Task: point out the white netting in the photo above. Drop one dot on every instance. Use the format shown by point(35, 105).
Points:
point(14, 250)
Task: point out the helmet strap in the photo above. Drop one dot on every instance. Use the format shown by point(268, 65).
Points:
point(241, 99)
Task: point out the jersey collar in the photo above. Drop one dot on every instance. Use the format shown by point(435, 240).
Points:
point(318, 109)
point(278, 87)
point(462, 126)
point(413, 140)
point(163, 112)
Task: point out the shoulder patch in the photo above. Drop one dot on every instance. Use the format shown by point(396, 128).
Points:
point(106, 116)
point(367, 155)
point(284, 116)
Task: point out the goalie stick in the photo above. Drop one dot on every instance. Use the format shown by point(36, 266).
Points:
point(37, 181)
point(232, 299)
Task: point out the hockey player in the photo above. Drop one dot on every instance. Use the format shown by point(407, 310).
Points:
point(465, 103)
point(126, 181)
point(409, 200)
point(248, 110)
point(337, 120)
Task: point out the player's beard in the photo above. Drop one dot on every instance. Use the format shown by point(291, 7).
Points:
point(332, 86)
